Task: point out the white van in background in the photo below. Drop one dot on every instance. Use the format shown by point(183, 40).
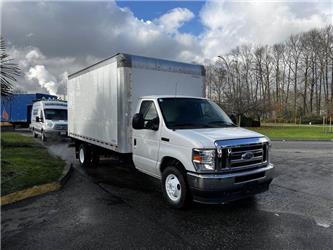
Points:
point(49, 118)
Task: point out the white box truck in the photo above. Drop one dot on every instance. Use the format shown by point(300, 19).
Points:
point(154, 111)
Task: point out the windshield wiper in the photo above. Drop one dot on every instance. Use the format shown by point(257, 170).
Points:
point(180, 125)
point(225, 124)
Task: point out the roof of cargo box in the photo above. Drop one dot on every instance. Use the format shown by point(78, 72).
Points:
point(170, 96)
point(134, 61)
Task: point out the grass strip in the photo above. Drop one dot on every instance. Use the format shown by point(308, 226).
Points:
point(294, 132)
point(26, 163)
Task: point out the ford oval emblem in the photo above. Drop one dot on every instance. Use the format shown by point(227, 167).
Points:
point(247, 156)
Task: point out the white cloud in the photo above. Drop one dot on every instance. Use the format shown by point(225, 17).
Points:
point(229, 24)
point(67, 38)
point(44, 78)
point(34, 55)
point(128, 34)
point(35, 76)
point(174, 19)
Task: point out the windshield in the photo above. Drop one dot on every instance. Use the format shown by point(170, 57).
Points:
point(189, 113)
point(55, 114)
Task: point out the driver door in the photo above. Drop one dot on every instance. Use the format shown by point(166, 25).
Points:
point(146, 141)
point(39, 124)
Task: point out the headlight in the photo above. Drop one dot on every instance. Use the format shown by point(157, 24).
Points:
point(269, 142)
point(204, 159)
point(49, 124)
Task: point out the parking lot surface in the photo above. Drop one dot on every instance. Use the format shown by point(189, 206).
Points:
point(114, 206)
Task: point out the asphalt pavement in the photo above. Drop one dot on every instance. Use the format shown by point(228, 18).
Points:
point(114, 206)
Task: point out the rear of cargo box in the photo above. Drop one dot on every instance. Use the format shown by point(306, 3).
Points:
point(103, 97)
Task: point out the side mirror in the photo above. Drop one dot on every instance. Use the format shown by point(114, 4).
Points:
point(37, 119)
point(137, 121)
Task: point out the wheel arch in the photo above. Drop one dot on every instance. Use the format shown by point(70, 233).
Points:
point(171, 161)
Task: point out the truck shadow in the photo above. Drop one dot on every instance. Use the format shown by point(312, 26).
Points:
point(122, 175)
point(121, 178)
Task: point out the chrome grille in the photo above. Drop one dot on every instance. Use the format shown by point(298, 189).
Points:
point(242, 154)
point(245, 155)
point(60, 127)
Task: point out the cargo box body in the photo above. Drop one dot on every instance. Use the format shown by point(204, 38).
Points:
point(102, 98)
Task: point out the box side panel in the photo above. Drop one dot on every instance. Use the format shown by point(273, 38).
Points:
point(154, 82)
point(93, 108)
point(6, 110)
point(15, 109)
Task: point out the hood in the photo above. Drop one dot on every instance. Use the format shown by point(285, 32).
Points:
point(52, 123)
point(57, 122)
point(208, 136)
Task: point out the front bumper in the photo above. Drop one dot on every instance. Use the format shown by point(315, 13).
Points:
point(55, 133)
point(220, 188)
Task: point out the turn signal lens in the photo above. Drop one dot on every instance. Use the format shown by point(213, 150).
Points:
point(204, 159)
point(197, 158)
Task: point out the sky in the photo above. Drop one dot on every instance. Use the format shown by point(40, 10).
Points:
point(51, 39)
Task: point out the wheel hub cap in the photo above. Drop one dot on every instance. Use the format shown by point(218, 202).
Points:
point(81, 155)
point(173, 188)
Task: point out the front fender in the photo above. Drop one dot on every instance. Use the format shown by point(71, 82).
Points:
point(179, 152)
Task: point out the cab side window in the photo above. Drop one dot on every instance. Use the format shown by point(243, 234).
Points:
point(149, 113)
point(34, 114)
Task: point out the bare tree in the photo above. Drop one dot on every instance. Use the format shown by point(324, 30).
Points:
point(284, 80)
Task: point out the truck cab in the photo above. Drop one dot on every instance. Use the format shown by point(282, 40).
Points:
point(197, 152)
point(49, 119)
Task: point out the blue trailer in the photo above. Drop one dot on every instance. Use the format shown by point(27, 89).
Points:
point(17, 109)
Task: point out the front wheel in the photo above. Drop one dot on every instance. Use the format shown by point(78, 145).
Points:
point(34, 134)
point(44, 138)
point(174, 188)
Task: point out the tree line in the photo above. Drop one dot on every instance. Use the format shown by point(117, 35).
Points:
point(285, 81)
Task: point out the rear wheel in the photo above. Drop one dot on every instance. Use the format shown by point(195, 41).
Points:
point(174, 188)
point(84, 155)
point(95, 158)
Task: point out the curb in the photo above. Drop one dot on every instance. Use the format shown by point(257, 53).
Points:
point(39, 189)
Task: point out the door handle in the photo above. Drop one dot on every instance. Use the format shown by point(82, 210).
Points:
point(134, 142)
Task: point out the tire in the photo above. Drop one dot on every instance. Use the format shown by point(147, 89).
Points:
point(84, 155)
point(34, 134)
point(95, 158)
point(44, 138)
point(174, 188)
